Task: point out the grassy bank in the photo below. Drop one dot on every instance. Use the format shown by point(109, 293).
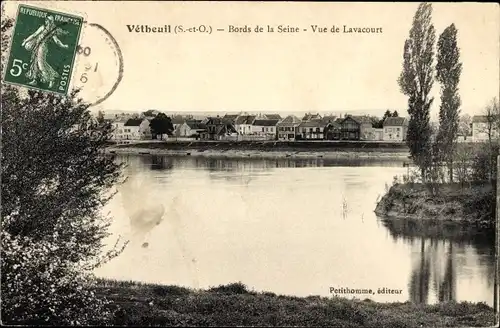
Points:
point(471, 204)
point(234, 305)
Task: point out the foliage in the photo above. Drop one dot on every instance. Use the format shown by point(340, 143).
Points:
point(234, 288)
point(55, 181)
point(54, 173)
point(484, 162)
point(161, 124)
point(461, 157)
point(41, 287)
point(54, 184)
point(492, 113)
point(416, 82)
point(100, 117)
point(464, 124)
point(448, 70)
point(379, 123)
point(5, 29)
point(140, 307)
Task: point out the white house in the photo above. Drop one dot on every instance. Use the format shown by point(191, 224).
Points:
point(395, 129)
point(131, 129)
point(189, 128)
point(483, 128)
point(118, 126)
point(177, 121)
point(244, 123)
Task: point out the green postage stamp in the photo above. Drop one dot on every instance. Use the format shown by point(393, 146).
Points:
point(43, 49)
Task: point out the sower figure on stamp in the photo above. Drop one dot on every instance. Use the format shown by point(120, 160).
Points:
point(37, 44)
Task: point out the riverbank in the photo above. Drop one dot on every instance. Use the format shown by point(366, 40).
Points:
point(472, 204)
point(267, 150)
point(137, 304)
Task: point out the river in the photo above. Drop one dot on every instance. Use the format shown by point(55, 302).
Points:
point(293, 227)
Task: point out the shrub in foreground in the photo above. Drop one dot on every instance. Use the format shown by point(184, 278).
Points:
point(40, 289)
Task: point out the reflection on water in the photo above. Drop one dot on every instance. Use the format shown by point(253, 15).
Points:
point(291, 226)
point(442, 257)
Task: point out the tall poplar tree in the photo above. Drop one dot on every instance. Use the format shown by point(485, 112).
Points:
point(416, 82)
point(448, 70)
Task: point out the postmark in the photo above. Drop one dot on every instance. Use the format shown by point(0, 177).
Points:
point(100, 64)
point(43, 49)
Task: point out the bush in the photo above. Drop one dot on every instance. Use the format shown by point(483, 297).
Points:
point(55, 182)
point(170, 291)
point(234, 288)
point(40, 288)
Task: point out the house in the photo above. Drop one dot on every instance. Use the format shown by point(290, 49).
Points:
point(264, 127)
point(378, 134)
point(311, 117)
point(218, 129)
point(350, 129)
point(136, 129)
point(329, 119)
point(190, 128)
point(333, 130)
point(230, 118)
point(395, 129)
point(118, 126)
point(366, 126)
point(287, 127)
point(178, 120)
point(273, 117)
point(312, 130)
point(484, 127)
point(463, 138)
point(243, 124)
point(356, 128)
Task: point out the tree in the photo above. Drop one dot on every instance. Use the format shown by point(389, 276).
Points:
point(161, 124)
point(464, 125)
point(448, 70)
point(380, 123)
point(395, 114)
point(416, 82)
point(377, 123)
point(492, 114)
point(100, 116)
point(55, 181)
point(387, 114)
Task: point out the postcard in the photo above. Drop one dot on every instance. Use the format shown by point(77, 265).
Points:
point(171, 163)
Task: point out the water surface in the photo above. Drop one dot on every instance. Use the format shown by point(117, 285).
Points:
point(294, 227)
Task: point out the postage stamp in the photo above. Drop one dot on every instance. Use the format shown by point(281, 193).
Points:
point(43, 49)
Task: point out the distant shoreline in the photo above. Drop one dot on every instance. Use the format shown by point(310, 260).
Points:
point(267, 150)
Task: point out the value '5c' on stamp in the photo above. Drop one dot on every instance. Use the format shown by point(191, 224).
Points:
point(43, 49)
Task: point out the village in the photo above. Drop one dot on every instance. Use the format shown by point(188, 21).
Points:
point(136, 128)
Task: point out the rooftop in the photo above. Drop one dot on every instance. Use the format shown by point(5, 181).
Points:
point(245, 119)
point(265, 122)
point(134, 122)
point(394, 121)
point(290, 119)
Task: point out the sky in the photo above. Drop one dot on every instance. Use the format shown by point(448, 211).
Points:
point(272, 72)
